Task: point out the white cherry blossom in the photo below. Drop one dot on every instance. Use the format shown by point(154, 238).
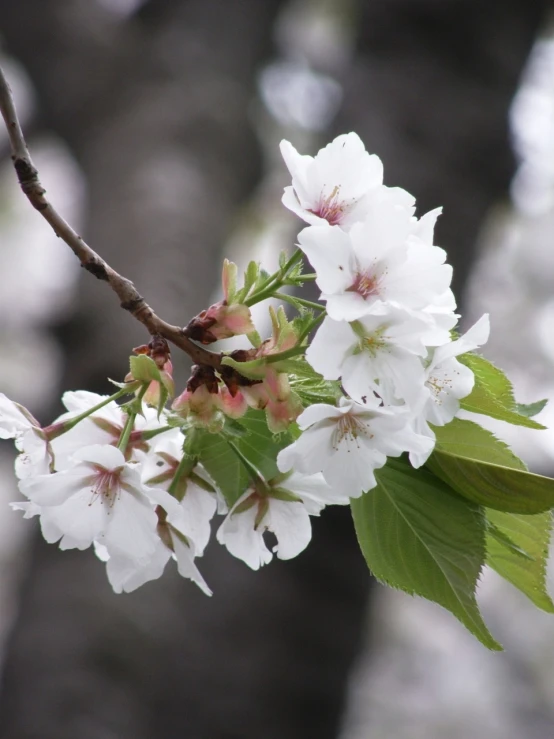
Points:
point(335, 185)
point(347, 443)
point(101, 497)
point(196, 501)
point(104, 426)
point(447, 381)
point(377, 353)
point(285, 510)
point(127, 574)
point(377, 263)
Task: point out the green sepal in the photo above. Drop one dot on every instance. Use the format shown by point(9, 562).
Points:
point(254, 369)
point(286, 495)
point(164, 395)
point(255, 339)
point(144, 369)
point(418, 536)
point(251, 274)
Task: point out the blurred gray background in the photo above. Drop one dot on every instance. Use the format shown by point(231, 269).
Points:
point(155, 126)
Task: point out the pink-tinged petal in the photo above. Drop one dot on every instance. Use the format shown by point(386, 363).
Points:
point(330, 253)
point(185, 564)
point(30, 510)
point(160, 497)
point(242, 539)
point(329, 348)
point(36, 455)
point(348, 306)
point(102, 455)
point(398, 196)
point(297, 164)
point(126, 575)
point(290, 200)
point(384, 231)
point(313, 488)
point(290, 523)
point(234, 407)
point(81, 518)
point(49, 528)
point(350, 470)
point(198, 507)
point(316, 413)
point(131, 529)
point(55, 489)
point(78, 401)
point(238, 320)
point(13, 420)
point(309, 453)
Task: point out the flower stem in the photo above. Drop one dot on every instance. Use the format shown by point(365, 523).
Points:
point(294, 301)
point(184, 468)
point(130, 421)
point(126, 433)
point(310, 327)
point(57, 429)
point(274, 281)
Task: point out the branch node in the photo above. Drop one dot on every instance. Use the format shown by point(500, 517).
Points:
point(97, 269)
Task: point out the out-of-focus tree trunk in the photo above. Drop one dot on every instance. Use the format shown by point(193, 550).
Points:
point(156, 111)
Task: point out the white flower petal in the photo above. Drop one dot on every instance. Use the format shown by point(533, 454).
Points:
point(243, 541)
point(185, 564)
point(290, 523)
point(330, 347)
point(330, 253)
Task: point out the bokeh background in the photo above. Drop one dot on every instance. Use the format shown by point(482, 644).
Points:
point(155, 126)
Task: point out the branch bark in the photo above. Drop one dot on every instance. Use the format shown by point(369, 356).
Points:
point(130, 298)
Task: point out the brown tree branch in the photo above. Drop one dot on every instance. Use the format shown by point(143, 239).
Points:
point(130, 298)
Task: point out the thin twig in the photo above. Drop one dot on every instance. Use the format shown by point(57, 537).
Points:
point(125, 290)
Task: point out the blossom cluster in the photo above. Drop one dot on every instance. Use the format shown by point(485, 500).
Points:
point(129, 480)
point(390, 312)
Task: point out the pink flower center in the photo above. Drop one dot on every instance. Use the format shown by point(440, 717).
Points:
point(331, 208)
point(366, 284)
point(105, 486)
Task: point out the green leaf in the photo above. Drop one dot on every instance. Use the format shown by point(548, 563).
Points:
point(499, 536)
point(484, 470)
point(309, 384)
point(416, 535)
point(531, 409)
point(467, 439)
point(531, 535)
point(493, 394)
point(260, 447)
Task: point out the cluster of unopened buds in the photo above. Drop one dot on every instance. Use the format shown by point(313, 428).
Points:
point(139, 481)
